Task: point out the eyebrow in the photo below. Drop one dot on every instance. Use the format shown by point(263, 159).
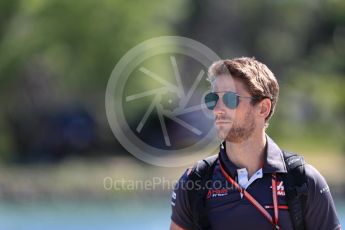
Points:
point(253, 97)
point(224, 91)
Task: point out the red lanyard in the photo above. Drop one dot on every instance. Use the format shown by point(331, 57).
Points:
point(262, 210)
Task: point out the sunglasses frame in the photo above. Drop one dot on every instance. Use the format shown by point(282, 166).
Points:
point(224, 100)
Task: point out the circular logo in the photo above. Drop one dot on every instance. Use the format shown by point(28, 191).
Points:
point(154, 101)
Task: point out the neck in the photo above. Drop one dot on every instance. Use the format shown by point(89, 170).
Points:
point(248, 154)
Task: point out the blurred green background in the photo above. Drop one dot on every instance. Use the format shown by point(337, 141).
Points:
point(56, 57)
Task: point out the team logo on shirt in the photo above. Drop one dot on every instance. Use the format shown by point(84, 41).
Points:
point(212, 193)
point(173, 200)
point(280, 188)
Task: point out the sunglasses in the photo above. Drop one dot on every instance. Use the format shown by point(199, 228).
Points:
point(230, 99)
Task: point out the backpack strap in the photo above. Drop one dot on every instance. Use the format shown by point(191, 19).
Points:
point(200, 174)
point(295, 185)
point(296, 188)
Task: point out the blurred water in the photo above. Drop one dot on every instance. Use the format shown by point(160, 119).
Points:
point(144, 214)
point(57, 215)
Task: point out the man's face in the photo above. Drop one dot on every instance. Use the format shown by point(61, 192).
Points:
point(233, 125)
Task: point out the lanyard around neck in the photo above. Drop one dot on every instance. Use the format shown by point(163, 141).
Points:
point(251, 199)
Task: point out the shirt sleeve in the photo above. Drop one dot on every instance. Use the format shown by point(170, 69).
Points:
point(320, 212)
point(181, 209)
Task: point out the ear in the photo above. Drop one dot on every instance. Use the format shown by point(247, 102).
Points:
point(265, 107)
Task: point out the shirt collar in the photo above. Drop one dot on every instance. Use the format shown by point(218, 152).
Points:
point(229, 167)
point(274, 160)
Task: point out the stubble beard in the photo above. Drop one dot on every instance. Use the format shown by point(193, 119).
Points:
point(238, 133)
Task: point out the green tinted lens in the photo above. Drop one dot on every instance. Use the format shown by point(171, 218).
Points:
point(211, 100)
point(230, 99)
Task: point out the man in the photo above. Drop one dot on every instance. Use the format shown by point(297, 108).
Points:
point(250, 168)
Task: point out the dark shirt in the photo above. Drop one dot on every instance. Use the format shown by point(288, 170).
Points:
point(227, 209)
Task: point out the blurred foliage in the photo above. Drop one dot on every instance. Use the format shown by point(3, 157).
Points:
point(79, 41)
point(54, 53)
point(310, 113)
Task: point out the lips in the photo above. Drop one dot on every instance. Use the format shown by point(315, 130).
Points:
point(222, 122)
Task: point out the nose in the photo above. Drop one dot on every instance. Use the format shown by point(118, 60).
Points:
point(220, 107)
